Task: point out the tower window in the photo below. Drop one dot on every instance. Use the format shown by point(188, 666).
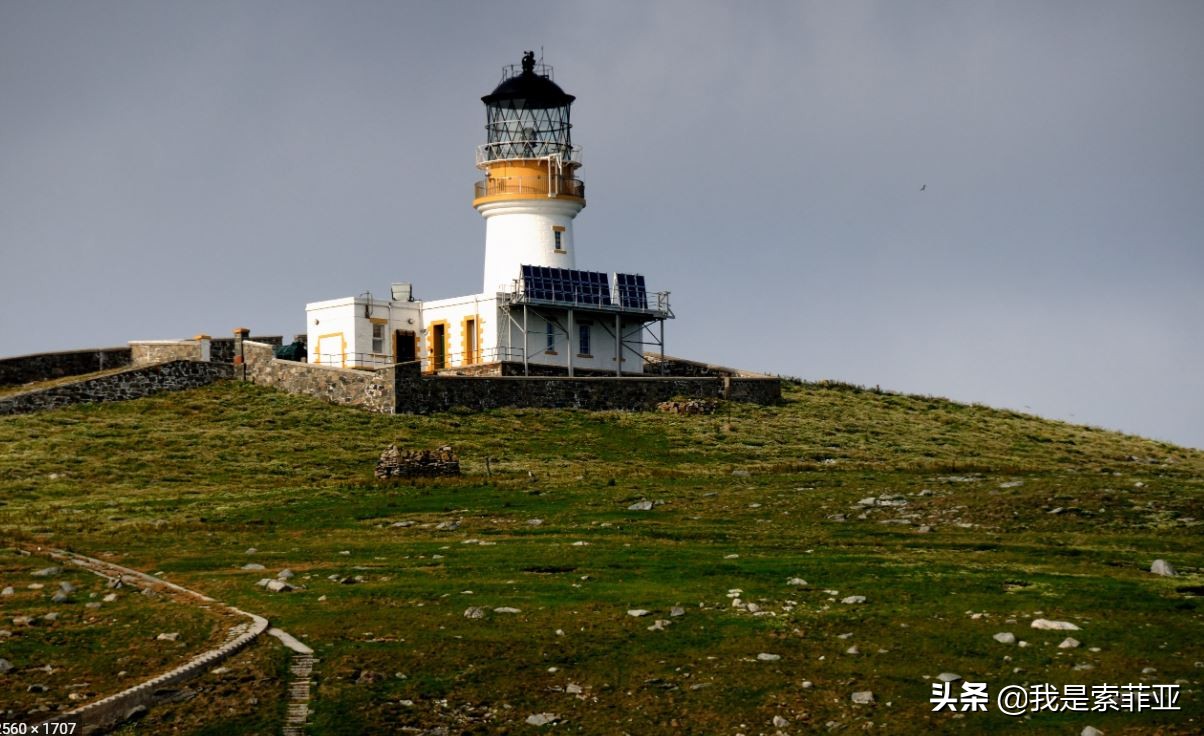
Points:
point(551, 337)
point(583, 335)
point(558, 238)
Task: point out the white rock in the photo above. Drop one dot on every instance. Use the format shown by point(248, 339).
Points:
point(797, 582)
point(1091, 731)
point(573, 689)
point(949, 677)
point(252, 566)
point(767, 657)
point(1047, 625)
point(534, 522)
point(1005, 637)
point(1162, 567)
point(285, 574)
point(1069, 643)
point(109, 598)
point(863, 697)
point(853, 650)
point(8, 591)
point(507, 609)
point(637, 612)
point(659, 624)
point(173, 636)
point(780, 722)
point(640, 506)
point(807, 684)
point(677, 611)
point(474, 612)
point(542, 719)
point(5, 666)
point(853, 599)
point(279, 586)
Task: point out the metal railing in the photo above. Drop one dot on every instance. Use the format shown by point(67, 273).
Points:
point(353, 360)
point(656, 303)
point(546, 185)
point(560, 154)
point(468, 360)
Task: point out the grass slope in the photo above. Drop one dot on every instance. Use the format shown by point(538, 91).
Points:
point(1000, 518)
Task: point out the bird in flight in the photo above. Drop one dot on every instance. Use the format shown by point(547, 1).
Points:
point(923, 187)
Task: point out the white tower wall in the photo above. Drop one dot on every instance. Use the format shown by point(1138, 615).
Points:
point(523, 231)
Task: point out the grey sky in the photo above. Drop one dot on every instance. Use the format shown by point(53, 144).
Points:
point(168, 168)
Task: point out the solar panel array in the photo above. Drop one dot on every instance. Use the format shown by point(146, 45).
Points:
point(566, 285)
point(632, 293)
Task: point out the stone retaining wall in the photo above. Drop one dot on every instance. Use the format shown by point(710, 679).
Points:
point(45, 366)
point(133, 383)
point(371, 390)
point(425, 395)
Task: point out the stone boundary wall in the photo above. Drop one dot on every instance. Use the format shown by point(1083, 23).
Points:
point(681, 367)
point(221, 349)
point(425, 395)
point(133, 383)
point(45, 366)
point(149, 352)
point(100, 715)
point(373, 390)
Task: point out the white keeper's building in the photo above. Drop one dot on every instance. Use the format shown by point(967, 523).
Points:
point(536, 313)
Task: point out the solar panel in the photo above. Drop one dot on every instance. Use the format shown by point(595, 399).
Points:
point(631, 290)
point(565, 285)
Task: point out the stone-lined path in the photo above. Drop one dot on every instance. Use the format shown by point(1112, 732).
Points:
point(108, 711)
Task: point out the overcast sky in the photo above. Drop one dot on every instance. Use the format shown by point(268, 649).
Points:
point(168, 168)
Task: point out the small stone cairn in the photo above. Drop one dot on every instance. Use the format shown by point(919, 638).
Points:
point(394, 463)
point(689, 406)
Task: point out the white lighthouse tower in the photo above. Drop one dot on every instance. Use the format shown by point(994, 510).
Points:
point(530, 193)
point(537, 313)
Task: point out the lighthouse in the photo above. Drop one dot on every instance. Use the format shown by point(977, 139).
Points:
point(538, 313)
point(531, 192)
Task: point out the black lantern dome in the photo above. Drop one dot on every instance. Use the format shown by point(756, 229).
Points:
point(527, 115)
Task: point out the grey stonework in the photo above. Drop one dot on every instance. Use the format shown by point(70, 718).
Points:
point(133, 383)
point(371, 390)
point(221, 349)
point(46, 366)
point(150, 352)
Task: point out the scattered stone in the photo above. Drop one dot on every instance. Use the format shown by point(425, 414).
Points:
point(447, 526)
point(8, 591)
point(949, 677)
point(60, 597)
point(51, 617)
point(868, 501)
point(534, 522)
point(1148, 670)
point(173, 636)
point(1162, 567)
point(797, 582)
point(767, 657)
point(1069, 643)
point(1005, 637)
point(66, 587)
point(253, 566)
point(637, 612)
point(507, 609)
point(853, 599)
point(640, 506)
point(22, 621)
point(1091, 731)
point(35, 586)
point(689, 406)
point(573, 689)
point(1012, 484)
point(740, 474)
point(659, 624)
point(807, 684)
point(251, 550)
point(677, 611)
point(1047, 625)
point(542, 719)
point(474, 612)
point(394, 463)
point(780, 722)
point(863, 697)
point(853, 650)
point(92, 604)
point(5, 666)
point(46, 572)
point(285, 574)
point(279, 586)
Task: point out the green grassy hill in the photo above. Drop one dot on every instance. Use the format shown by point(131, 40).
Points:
point(954, 522)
